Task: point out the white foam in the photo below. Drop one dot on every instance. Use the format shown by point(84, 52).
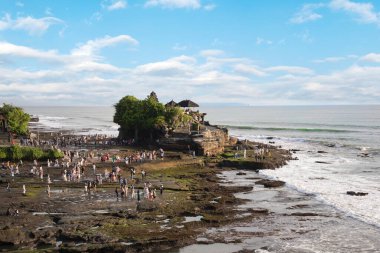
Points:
point(330, 182)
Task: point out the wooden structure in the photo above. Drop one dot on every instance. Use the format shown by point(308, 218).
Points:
point(188, 103)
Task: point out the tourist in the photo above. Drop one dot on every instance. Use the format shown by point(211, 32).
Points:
point(161, 151)
point(133, 194)
point(41, 173)
point(161, 189)
point(48, 190)
point(94, 168)
point(117, 193)
point(23, 190)
point(143, 173)
point(138, 195)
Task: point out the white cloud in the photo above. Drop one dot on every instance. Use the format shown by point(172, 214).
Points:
point(364, 11)
point(91, 47)
point(182, 65)
point(249, 69)
point(307, 14)
point(115, 5)
point(330, 59)
point(8, 49)
point(209, 7)
point(314, 86)
point(172, 4)
point(290, 69)
point(34, 26)
point(206, 79)
point(260, 41)
point(336, 59)
point(372, 57)
point(211, 52)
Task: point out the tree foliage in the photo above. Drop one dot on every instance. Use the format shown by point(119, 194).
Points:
point(147, 118)
point(17, 119)
point(15, 153)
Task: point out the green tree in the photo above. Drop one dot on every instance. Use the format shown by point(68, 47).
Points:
point(17, 119)
point(145, 119)
point(175, 117)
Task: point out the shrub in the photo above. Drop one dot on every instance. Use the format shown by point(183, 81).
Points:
point(54, 153)
point(16, 153)
point(3, 153)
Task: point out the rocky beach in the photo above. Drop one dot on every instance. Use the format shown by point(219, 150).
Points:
point(194, 200)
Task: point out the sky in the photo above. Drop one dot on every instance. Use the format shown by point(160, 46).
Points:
point(232, 52)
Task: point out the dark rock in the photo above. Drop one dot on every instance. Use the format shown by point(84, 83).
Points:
point(298, 206)
point(321, 152)
point(241, 173)
point(304, 214)
point(270, 183)
point(146, 206)
point(352, 193)
point(258, 210)
point(322, 162)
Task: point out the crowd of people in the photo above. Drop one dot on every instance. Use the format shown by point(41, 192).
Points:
point(59, 140)
point(80, 166)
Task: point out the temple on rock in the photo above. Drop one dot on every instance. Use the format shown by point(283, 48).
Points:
point(198, 135)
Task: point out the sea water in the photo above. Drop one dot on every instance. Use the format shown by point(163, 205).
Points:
point(339, 150)
point(339, 145)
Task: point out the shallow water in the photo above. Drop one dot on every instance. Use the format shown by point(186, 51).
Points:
point(286, 228)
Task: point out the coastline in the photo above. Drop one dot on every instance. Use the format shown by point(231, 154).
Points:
point(208, 204)
point(193, 201)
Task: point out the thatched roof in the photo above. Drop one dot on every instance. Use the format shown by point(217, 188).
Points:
point(171, 103)
point(188, 103)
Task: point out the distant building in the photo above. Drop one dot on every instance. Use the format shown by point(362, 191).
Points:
point(3, 123)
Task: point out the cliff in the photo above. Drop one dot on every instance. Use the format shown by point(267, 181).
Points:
point(210, 141)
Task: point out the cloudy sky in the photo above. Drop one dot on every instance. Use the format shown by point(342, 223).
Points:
point(252, 52)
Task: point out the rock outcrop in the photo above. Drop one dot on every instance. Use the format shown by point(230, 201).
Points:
point(211, 141)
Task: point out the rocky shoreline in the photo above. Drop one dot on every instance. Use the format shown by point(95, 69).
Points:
point(71, 221)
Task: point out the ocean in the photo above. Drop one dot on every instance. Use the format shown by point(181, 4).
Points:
point(339, 146)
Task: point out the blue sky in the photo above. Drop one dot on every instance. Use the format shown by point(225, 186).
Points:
point(249, 52)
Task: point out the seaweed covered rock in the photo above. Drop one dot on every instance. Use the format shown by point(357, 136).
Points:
point(270, 183)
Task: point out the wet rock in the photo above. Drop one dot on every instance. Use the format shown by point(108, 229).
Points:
point(352, 193)
point(321, 152)
point(197, 197)
point(246, 251)
point(270, 183)
point(322, 162)
point(300, 206)
point(258, 210)
point(13, 236)
point(241, 173)
point(146, 206)
point(240, 188)
point(304, 214)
